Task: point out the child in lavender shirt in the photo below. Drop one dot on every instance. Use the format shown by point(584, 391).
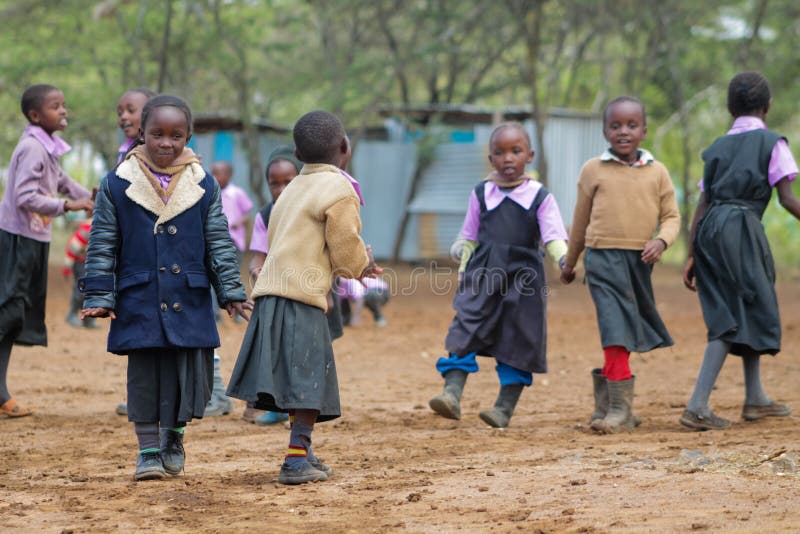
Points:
point(35, 178)
point(370, 293)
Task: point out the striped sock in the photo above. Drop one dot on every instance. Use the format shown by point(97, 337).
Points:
point(299, 445)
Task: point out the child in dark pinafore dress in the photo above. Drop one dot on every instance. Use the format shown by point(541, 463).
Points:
point(625, 217)
point(501, 301)
point(729, 255)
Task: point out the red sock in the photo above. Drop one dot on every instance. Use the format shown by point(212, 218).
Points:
point(616, 367)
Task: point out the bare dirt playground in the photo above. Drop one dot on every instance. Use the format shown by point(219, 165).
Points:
point(399, 468)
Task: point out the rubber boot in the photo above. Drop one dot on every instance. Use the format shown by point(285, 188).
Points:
point(600, 395)
point(448, 404)
point(620, 406)
point(500, 415)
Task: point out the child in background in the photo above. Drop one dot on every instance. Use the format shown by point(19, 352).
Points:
point(74, 259)
point(129, 119)
point(286, 360)
point(500, 303)
point(625, 197)
point(158, 240)
point(35, 178)
point(372, 294)
point(282, 167)
point(729, 253)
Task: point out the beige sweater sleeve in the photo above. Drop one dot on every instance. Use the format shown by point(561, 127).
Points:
point(342, 227)
point(580, 219)
point(669, 215)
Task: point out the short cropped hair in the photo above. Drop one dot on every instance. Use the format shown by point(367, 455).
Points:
point(511, 124)
point(748, 92)
point(160, 101)
point(318, 136)
point(33, 97)
point(619, 100)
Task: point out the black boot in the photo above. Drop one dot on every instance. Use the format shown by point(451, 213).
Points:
point(620, 408)
point(600, 395)
point(448, 404)
point(172, 454)
point(500, 415)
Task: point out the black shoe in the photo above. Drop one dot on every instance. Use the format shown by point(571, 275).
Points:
point(149, 467)
point(300, 475)
point(696, 421)
point(172, 454)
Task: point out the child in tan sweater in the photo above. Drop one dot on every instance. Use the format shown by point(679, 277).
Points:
point(625, 217)
point(286, 360)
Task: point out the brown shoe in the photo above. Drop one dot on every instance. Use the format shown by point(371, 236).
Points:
point(751, 412)
point(700, 422)
point(12, 409)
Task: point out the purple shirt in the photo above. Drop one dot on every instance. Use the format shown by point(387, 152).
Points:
point(781, 162)
point(123, 149)
point(551, 226)
point(259, 241)
point(352, 289)
point(236, 205)
point(35, 178)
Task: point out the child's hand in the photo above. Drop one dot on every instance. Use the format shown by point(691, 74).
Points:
point(78, 205)
point(688, 274)
point(567, 274)
point(239, 308)
point(653, 250)
point(372, 270)
point(97, 312)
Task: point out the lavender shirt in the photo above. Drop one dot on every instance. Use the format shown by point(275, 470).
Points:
point(35, 178)
point(236, 205)
point(781, 162)
point(348, 288)
point(551, 225)
point(123, 149)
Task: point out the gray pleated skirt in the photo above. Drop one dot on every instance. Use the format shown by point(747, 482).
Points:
point(169, 386)
point(622, 291)
point(286, 360)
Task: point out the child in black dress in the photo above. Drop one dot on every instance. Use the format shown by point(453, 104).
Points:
point(159, 240)
point(729, 256)
point(286, 361)
point(625, 217)
point(501, 301)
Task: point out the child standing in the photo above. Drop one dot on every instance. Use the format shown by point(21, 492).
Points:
point(625, 197)
point(74, 259)
point(372, 294)
point(158, 240)
point(286, 360)
point(129, 119)
point(281, 169)
point(729, 254)
point(501, 301)
point(35, 178)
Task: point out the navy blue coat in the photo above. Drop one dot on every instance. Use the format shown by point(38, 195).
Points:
point(153, 264)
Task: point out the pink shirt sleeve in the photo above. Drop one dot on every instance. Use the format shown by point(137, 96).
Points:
point(551, 225)
point(259, 241)
point(469, 230)
point(781, 163)
point(245, 204)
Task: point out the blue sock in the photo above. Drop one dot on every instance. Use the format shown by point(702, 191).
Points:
point(299, 445)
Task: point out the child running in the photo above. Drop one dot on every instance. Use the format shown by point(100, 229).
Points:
point(501, 301)
point(286, 360)
point(729, 256)
point(158, 240)
point(35, 179)
point(625, 197)
point(372, 294)
point(129, 119)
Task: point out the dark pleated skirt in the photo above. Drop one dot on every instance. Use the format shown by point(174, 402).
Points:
point(286, 360)
point(23, 289)
point(622, 291)
point(169, 386)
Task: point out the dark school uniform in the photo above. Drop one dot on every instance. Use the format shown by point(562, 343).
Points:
point(734, 268)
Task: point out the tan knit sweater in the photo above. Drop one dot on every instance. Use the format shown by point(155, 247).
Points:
point(622, 207)
point(313, 235)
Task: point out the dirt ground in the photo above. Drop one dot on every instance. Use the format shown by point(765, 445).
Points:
point(397, 466)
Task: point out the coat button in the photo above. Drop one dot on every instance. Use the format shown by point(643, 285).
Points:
point(176, 268)
point(172, 229)
point(177, 307)
point(160, 228)
point(164, 307)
